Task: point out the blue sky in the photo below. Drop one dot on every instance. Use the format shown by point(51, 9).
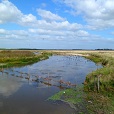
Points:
point(57, 24)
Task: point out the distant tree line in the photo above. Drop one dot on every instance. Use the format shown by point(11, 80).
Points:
point(104, 49)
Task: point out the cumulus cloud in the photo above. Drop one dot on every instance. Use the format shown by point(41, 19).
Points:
point(28, 20)
point(13, 34)
point(65, 25)
point(49, 16)
point(98, 13)
point(10, 13)
point(65, 34)
point(54, 27)
point(50, 26)
point(49, 34)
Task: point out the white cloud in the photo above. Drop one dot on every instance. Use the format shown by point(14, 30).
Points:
point(49, 34)
point(98, 13)
point(33, 37)
point(2, 31)
point(13, 34)
point(56, 28)
point(10, 13)
point(53, 27)
point(47, 15)
point(28, 20)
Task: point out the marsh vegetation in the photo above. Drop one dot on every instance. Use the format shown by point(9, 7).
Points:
point(19, 58)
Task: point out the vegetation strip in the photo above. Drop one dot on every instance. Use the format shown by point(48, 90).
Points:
point(99, 85)
point(20, 58)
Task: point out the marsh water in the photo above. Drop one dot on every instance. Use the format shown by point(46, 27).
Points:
point(25, 90)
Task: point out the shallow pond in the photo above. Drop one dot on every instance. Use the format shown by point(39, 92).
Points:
point(25, 90)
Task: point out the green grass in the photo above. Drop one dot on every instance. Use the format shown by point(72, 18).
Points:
point(72, 95)
point(102, 98)
point(106, 76)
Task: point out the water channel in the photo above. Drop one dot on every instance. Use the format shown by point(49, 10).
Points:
point(25, 90)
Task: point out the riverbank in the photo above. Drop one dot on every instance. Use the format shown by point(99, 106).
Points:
point(12, 58)
point(99, 85)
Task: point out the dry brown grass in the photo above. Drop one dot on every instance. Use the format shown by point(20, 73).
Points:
point(83, 52)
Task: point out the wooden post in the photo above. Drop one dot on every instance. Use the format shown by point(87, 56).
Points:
point(2, 70)
point(94, 83)
point(98, 82)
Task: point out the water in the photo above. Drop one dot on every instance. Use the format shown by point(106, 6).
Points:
point(20, 95)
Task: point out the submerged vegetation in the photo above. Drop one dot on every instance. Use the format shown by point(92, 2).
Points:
point(20, 58)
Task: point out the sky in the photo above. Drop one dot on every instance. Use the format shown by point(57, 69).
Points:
point(57, 24)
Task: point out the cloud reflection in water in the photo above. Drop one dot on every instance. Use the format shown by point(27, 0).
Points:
point(9, 85)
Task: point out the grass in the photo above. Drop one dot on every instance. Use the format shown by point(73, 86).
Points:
point(73, 96)
point(102, 98)
point(20, 58)
point(106, 75)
